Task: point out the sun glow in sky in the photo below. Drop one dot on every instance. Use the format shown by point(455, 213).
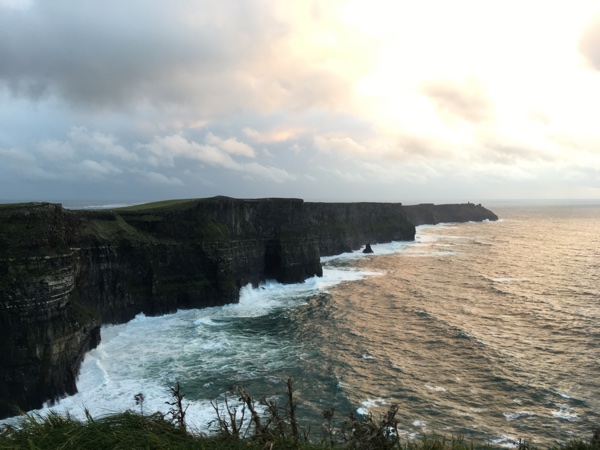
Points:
point(334, 100)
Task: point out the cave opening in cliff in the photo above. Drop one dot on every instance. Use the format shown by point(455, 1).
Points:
point(273, 260)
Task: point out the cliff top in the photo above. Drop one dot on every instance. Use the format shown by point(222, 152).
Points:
point(183, 204)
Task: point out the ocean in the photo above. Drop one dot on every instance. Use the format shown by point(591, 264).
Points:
point(490, 330)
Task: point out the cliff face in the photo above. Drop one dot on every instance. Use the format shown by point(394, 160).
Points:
point(65, 273)
point(44, 331)
point(430, 214)
point(344, 227)
point(194, 254)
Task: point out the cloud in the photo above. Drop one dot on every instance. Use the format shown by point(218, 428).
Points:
point(80, 137)
point(465, 100)
point(268, 172)
point(252, 134)
point(415, 173)
point(343, 145)
point(16, 157)
point(96, 169)
point(56, 150)
point(165, 150)
point(231, 145)
point(159, 178)
point(416, 146)
point(589, 42)
point(347, 176)
point(335, 98)
point(212, 58)
point(508, 154)
point(21, 162)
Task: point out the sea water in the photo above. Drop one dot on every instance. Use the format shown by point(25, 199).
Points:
point(490, 330)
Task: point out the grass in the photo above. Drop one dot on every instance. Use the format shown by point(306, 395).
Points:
point(121, 431)
point(115, 228)
point(166, 204)
point(28, 205)
point(237, 425)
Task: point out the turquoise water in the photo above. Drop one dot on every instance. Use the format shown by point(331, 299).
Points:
point(487, 329)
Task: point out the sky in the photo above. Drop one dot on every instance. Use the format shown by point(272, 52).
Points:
point(330, 100)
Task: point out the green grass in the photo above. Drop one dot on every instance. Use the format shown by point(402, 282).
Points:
point(130, 430)
point(116, 228)
point(233, 428)
point(120, 431)
point(166, 204)
point(16, 205)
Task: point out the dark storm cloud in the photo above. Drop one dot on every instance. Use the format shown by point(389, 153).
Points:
point(464, 100)
point(113, 54)
point(589, 44)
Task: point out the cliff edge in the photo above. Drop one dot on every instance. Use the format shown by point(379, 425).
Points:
point(430, 214)
point(65, 273)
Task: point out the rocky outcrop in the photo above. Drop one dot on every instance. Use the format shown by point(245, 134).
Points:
point(65, 273)
point(430, 214)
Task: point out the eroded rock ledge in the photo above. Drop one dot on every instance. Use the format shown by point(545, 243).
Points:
point(65, 273)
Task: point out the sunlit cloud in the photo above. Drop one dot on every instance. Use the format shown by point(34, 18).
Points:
point(465, 100)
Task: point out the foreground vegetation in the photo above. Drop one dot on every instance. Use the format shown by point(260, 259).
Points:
point(238, 426)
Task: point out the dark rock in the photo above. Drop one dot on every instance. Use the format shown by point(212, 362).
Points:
point(430, 214)
point(343, 227)
point(368, 249)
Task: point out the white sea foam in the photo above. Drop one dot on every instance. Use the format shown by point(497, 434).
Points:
point(503, 440)
point(435, 388)
point(565, 412)
point(132, 359)
point(378, 249)
point(86, 206)
point(370, 403)
point(516, 415)
point(107, 206)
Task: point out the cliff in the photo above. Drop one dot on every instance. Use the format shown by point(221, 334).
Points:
point(65, 273)
point(344, 227)
point(430, 214)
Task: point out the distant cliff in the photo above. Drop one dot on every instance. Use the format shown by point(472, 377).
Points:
point(430, 214)
point(65, 273)
point(344, 227)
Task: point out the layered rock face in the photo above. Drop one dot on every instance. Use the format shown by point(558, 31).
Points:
point(65, 273)
point(344, 227)
point(44, 330)
point(430, 214)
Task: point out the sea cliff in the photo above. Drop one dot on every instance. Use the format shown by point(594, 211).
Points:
point(65, 273)
point(430, 214)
